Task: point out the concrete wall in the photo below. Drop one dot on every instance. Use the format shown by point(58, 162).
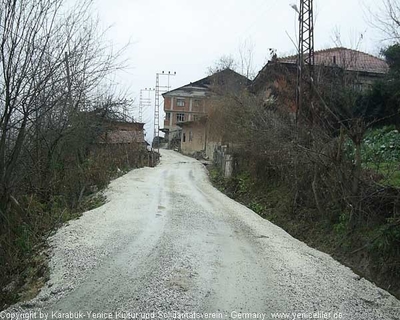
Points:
point(193, 138)
point(210, 149)
point(223, 160)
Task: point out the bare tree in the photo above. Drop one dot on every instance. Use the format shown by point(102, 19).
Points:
point(386, 19)
point(225, 62)
point(52, 58)
point(246, 56)
point(244, 64)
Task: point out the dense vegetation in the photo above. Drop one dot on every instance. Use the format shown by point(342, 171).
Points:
point(333, 179)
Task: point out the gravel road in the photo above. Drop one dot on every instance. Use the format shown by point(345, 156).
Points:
point(168, 245)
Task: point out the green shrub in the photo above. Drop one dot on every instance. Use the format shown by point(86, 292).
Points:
point(380, 153)
point(244, 183)
point(257, 207)
point(381, 145)
point(388, 238)
point(342, 226)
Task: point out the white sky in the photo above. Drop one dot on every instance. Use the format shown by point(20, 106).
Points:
point(188, 36)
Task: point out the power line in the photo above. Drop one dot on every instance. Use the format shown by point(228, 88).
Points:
point(261, 13)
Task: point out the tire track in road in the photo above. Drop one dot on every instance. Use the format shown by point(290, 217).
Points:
point(125, 272)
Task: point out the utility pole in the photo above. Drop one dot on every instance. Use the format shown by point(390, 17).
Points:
point(144, 102)
point(306, 59)
point(158, 91)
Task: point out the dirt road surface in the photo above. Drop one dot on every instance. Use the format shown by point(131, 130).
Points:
point(168, 245)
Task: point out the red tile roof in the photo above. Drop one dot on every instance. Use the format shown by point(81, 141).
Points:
point(348, 59)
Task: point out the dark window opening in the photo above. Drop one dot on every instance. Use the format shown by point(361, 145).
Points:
point(180, 117)
point(180, 102)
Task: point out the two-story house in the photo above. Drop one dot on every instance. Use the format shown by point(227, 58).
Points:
point(187, 103)
point(191, 103)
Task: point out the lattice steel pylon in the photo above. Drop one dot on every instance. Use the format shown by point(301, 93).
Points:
point(144, 102)
point(306, 58)
point(158, 91)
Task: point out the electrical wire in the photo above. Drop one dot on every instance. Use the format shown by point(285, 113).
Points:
point(257, 19)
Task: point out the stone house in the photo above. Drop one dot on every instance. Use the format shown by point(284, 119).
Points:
point(122, 132)
point(278, 77)
point(115, 139)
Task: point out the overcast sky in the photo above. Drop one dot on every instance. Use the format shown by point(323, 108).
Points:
point(188, 36)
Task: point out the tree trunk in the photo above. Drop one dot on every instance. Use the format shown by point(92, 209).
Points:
point(340, 146)
point(357, 168)
point(314, 186)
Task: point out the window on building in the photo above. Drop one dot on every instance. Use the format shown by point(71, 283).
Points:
point(180, 117)
point(197, 106)
point(184, 137)
point(359, 87)
point(168, 116)
point(190, 136)
point(180, 102)
point(195, 117)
